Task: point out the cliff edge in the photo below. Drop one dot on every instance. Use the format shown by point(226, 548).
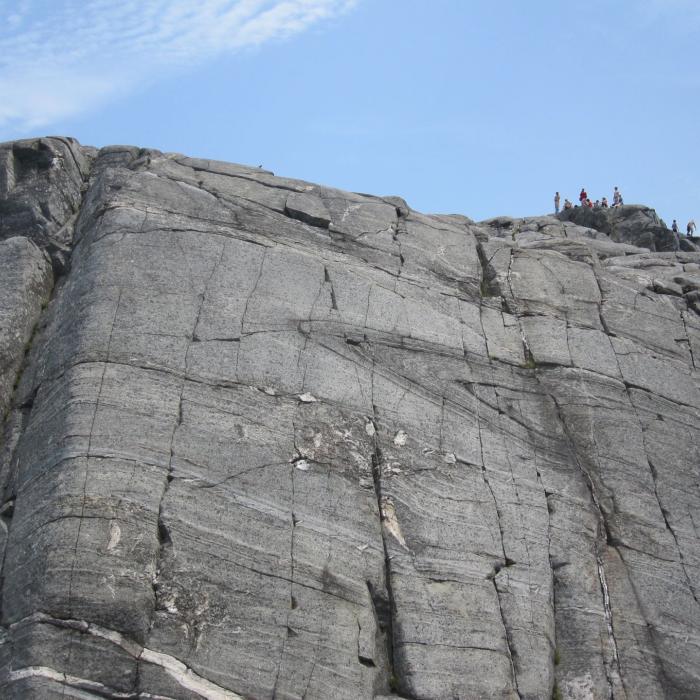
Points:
point(264, 439)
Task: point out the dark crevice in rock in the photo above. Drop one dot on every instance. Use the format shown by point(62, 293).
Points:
point(614, 673)
point(689, 344)
point(327, 277)
point(646, 390)
point(399, 228)
point(669, 527)
point(383, 600)
point(506, 561)
point(6, 512)
point(164, 534)
point(307, 218)
point(508, 639)
point(553, 565)
point(489, 283)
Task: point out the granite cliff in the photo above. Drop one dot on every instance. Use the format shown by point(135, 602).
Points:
point(264, 439)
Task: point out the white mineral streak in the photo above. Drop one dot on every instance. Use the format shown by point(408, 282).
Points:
point(115, 534)
point(187, 678)
point(400, 438)
point(391, 522)
point(64, 679)
point(178, 671)
point(307, 398)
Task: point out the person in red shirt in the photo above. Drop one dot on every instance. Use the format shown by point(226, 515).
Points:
point(583, 196)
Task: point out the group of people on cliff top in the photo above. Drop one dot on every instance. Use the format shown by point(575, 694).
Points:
point(689, 228)
point(585, 201)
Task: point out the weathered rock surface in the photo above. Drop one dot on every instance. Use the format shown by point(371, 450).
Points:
point(41, 183)
point(25, 285)
point(631, 223)
point(274, 440)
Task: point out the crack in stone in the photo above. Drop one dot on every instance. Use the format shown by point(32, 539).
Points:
point(334, 301)
point(690, 345)
point(506, 560)
point(164, 538)
point(88, 455)
point(669, 527)
point(385, 608)
point(293, 524)
point(612, 674)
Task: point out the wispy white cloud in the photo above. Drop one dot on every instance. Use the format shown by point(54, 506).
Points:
point(63, 57)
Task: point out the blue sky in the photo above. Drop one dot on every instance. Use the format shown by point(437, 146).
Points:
point(460, 106)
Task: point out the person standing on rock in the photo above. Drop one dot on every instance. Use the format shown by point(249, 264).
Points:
point(617, 198)
point(557, 199)
point(690, 228)
point(583, 196)
point(674, 227)
point(604, 203)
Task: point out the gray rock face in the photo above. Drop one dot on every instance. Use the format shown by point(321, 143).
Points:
point(631, 223)
point(275, 440)
point(41, 183)
point(25, 285)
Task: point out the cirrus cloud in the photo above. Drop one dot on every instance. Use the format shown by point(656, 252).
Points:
point(60, 58)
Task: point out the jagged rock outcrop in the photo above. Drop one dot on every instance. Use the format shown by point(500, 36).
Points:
point(631, 223)
point(275, 440)
point(41, 184)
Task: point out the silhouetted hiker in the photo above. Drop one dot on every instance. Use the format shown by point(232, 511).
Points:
point(617, 198)
point(556, 202)
point(674, 226)
point(596, 204)
point(690, 228)
point(583, 196)
point(604, 203)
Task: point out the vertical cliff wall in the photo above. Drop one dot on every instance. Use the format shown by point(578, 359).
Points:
point(275, 440)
